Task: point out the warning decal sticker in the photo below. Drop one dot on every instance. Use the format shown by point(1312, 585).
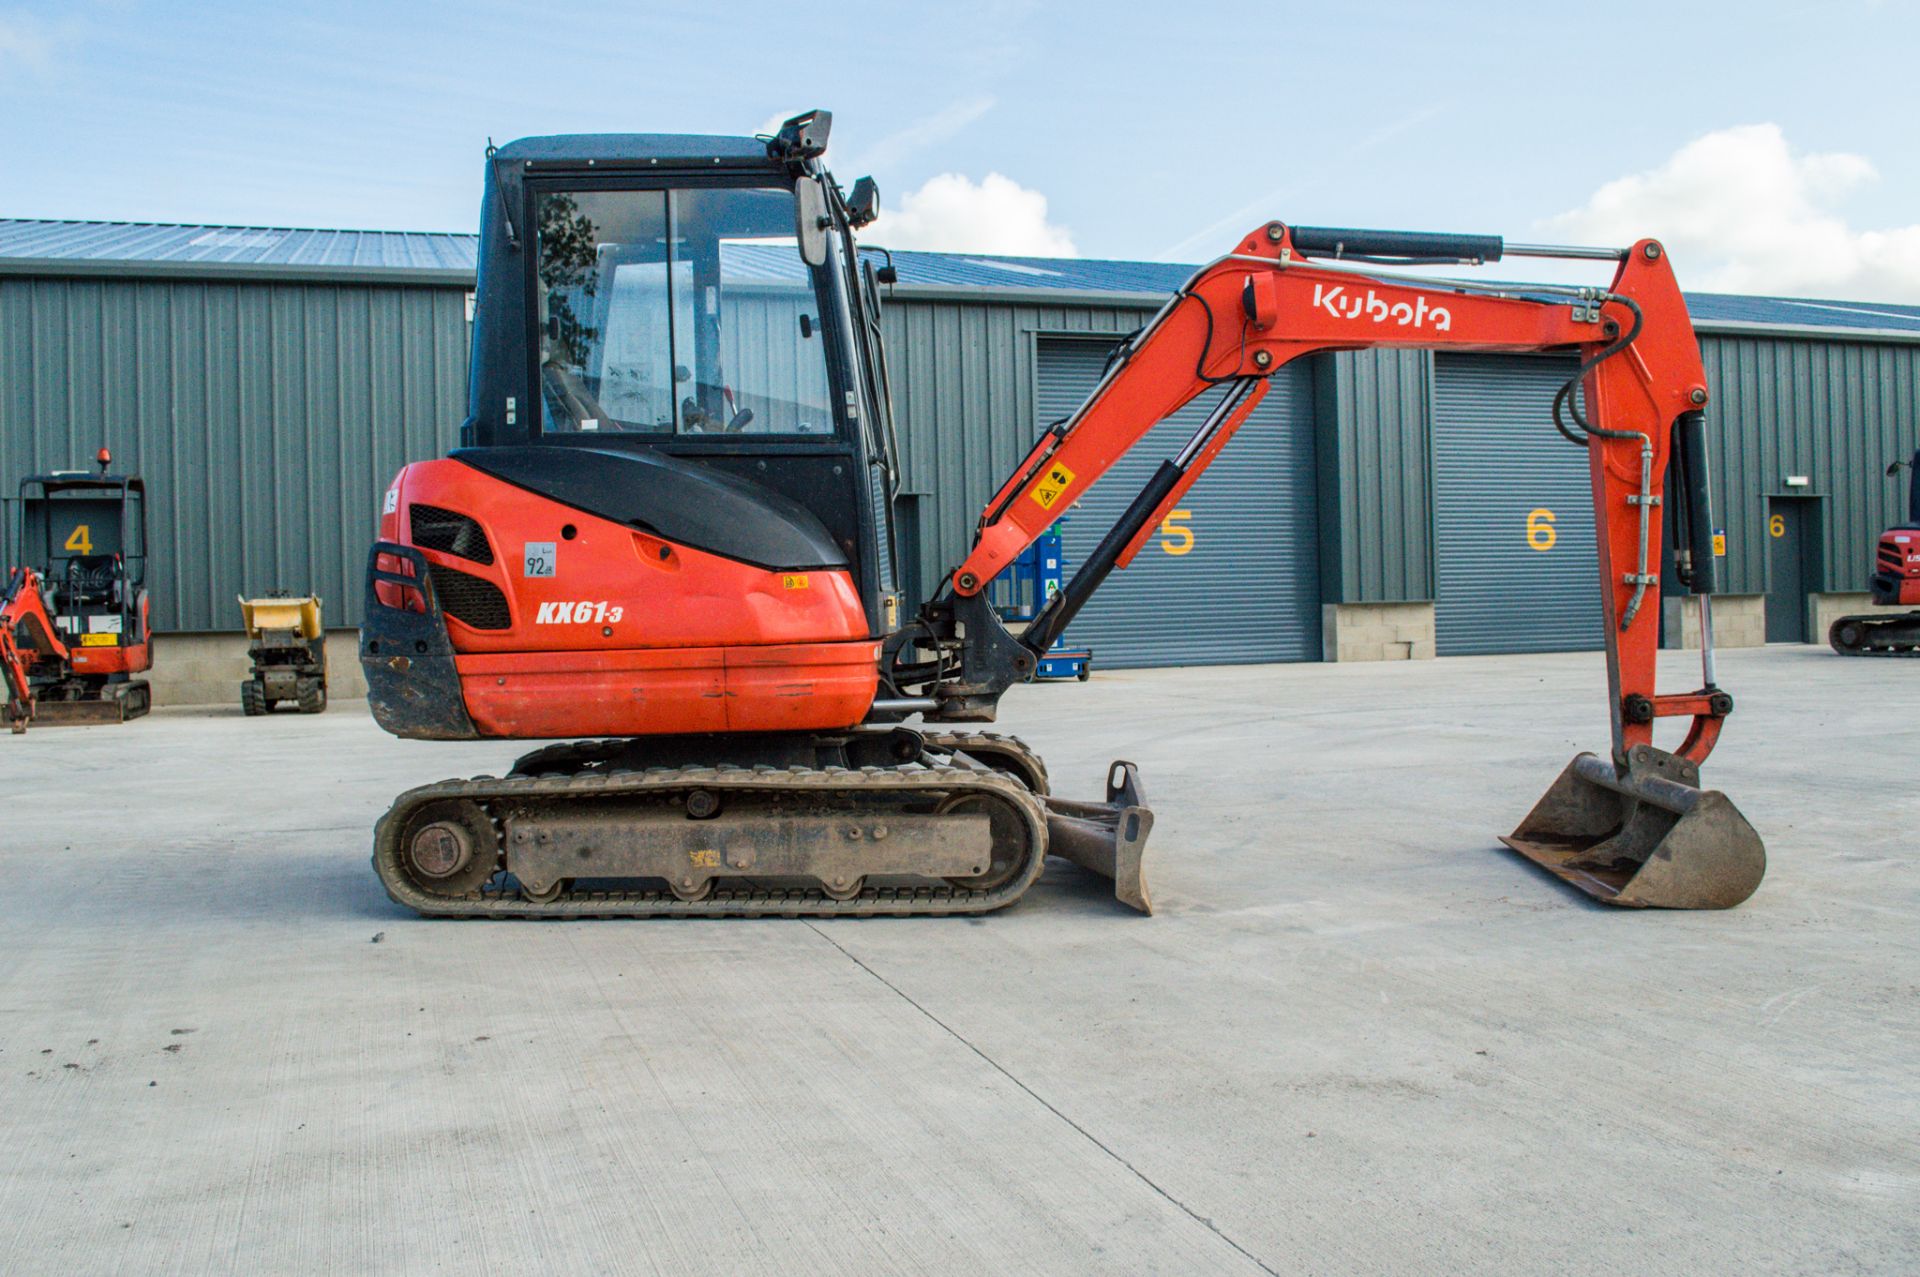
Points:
point(1055, 481)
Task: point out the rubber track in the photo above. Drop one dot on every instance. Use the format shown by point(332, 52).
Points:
point(724, 902)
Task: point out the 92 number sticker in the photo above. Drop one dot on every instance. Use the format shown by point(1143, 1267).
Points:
point(541, 559)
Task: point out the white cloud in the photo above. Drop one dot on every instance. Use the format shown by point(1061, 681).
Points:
point(953, 214)
point(24, 43)
point(1743, 212)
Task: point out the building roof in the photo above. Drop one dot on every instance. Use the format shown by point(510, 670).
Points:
point(1089, 275)
point(149, 248)
point(38, 246)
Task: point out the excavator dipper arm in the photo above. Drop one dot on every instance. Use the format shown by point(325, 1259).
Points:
point(1637, 400)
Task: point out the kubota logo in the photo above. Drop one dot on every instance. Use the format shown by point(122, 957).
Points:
point(582, 613)
point(1414, 314)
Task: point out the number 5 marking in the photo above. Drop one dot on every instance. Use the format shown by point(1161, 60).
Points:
point(82, 539)
point(1540, 531)
point(1176, 538)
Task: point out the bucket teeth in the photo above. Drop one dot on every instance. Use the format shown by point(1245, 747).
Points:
point(1649, 838)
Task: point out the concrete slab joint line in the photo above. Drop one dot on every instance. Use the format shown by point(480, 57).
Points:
point(1047, 1104)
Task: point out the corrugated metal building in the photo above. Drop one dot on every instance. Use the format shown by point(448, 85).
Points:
point(268, 382)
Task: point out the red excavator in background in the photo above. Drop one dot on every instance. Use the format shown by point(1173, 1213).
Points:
point(670, 527)
point(73, 617)
point(1895, 582)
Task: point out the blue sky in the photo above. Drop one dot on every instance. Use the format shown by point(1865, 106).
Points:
point(1148, 130)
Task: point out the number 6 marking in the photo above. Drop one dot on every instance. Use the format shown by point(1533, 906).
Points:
point(1540, 531)
point(1777, 526)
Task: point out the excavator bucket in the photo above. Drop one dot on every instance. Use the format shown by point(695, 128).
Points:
point(1651, 838)
point(1108, 838)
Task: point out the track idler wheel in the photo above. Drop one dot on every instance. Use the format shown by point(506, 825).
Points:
point(1009, 839)
point(1648, 837)
point(450, 848)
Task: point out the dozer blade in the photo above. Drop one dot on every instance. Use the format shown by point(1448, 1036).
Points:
point(1108, 838)
point(117, 703)
point(1649, 839)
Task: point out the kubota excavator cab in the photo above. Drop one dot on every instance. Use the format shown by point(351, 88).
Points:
point(668, 526)
point(673, 337)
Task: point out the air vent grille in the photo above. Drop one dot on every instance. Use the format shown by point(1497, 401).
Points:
point(471, 599)
point(449, 532)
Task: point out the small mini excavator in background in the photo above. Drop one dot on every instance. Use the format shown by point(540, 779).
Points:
point(669, 527)
point(73, 617)
point(1895, 582)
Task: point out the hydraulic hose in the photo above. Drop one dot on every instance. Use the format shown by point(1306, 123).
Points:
point(1567, 400)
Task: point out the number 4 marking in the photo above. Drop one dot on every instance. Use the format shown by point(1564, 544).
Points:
point(82, 540)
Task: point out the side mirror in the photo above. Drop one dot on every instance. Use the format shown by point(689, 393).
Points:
point(811, 221)
point(864, 204)
point(1894, 468)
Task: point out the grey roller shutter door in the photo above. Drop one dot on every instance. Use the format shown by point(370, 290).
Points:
point(1247, 587)
point(1513, 511)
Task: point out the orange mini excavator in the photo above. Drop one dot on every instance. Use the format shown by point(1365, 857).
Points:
point(73, 613)
point(669, 528)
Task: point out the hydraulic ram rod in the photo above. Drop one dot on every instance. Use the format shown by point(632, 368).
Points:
point(1062, 607)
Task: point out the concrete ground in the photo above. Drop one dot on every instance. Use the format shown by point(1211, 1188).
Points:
point(1359, 1037)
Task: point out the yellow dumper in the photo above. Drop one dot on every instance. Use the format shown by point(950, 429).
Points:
point(289, 651)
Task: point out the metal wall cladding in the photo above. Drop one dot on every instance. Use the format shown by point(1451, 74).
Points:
point(1514, 548)
point(1234, 580)
point(1834, 411)
point(963, 400)
point(267, 419)
point(1376, 509)
point(770, 367)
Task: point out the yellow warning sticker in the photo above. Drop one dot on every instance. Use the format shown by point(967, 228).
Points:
point(1055, 481)
point(1719, 545)
point(794, 580)
point(99, 640)
point(704, 858)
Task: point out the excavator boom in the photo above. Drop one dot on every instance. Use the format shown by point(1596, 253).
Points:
point(1636, 403)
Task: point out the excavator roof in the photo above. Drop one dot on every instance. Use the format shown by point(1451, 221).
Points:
point(569, 147)
point(78, 480)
